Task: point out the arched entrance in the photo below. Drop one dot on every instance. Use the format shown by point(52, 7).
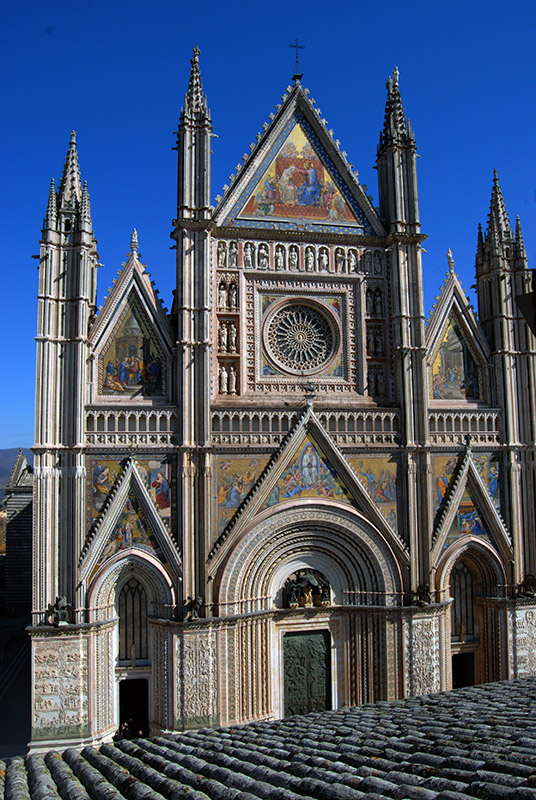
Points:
point(473, 579)
point(306, 586)
point(132, 657)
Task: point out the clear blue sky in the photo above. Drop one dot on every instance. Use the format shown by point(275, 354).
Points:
point(116, 72)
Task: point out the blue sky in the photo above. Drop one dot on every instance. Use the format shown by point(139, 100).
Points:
point(116, 72)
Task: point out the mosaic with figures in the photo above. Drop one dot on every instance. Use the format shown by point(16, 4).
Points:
point(308, 474)
point(133, 363)
point(296, 184)
point(455, 373)
point(235, 477)
point(487, 466)
point(105, 471)
point(131, 530)
point(378, 476)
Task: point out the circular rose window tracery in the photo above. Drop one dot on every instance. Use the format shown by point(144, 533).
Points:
point(301, 338)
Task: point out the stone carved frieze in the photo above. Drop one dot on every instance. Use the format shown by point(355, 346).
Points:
point(522, 624)
point(196, 654)
point(61, 691)
point(423, 655)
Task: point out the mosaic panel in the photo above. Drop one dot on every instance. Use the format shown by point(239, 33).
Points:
point(131, 530)
point(379, 477)
point(308, 474)
point(455, 373)
point(104, 471)
point(235, 477)
point(133, 363)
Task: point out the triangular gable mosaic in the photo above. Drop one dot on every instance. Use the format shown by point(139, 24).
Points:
point(308, 473)
point(468, 521)
point(104, 472)
point(486, 465)
point(455, 372)
point(131, 530)
point(133, 362)
point(297, 184)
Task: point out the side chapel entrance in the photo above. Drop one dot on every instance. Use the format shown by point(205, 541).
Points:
point(307, 672)
point(464, 626)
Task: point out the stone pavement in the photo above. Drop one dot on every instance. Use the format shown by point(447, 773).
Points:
point(478, 742)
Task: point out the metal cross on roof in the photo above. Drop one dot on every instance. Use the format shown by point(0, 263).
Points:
point(297, 74)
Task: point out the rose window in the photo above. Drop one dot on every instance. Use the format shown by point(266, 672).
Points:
point(301, 338)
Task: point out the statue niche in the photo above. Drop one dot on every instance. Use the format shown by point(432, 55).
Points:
point(306, 588)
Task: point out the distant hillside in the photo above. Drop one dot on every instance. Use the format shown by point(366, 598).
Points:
point(7, 461)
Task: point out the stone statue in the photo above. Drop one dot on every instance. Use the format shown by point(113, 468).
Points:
point(339, 260)
point(309, 261)
point(293, 258)
point(248, 254)
point(323, 260)
point(223, 380)
point(231, 329)
point(263, 257)
point(223, 337)
point(377, 263)
point(280, 258)
point(232, 296)
point(221, 254)
point(222, 295)
point(233, 254)
point(232, 380)
point(352, 261)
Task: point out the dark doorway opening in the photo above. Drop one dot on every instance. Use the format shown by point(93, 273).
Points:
point(463, 670)
point(134, 707)
point(307, 672)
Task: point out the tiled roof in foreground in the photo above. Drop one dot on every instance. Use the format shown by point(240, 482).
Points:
point(475, 742)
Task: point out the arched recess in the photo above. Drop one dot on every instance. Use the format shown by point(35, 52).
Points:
point(110, 669)
point(364, 573)
point(357, 560)
point(116, 571)
point(472, 576)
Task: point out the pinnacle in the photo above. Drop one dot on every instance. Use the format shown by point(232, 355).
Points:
point(195, 101)
point(520, 242)
point(395, 120)
point(70, 187)
point(497, 212)
point(85, 206)
point(52, 207)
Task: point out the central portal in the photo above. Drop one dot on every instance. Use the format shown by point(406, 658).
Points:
point(307, 671)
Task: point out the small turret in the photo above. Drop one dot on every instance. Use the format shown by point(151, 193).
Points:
point(396, 164)
point(70, 191)
point(193, 146)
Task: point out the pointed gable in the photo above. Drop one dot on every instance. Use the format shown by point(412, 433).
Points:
point(297, 178)
point(130, 520)
point(469, 505)
point(458, 351)
point(132, 337)
point(308, 468)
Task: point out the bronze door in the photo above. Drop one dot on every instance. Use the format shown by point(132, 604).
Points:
point(307, 672)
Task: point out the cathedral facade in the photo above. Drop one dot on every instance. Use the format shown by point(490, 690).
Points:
point(292, 492)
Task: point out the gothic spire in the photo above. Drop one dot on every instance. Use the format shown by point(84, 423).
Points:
point(195, 102)
point(85, 209)
point(51, 216)
point(521, 250)
point(395, 125)
point(71, 185)
point(498, 221)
